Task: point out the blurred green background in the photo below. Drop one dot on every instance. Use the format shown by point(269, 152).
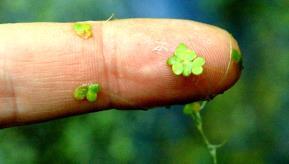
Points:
point(253, 116)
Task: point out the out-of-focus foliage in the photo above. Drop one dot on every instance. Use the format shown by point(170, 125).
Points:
point(253, 116)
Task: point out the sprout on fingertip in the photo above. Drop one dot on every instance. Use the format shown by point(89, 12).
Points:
point(186, 62)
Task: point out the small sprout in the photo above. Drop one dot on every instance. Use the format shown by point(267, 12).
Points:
point(236, 56)
point(186, 62)
point(192, 108)
point(84, 30)
point(87, 91)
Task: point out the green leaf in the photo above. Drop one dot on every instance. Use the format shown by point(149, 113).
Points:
point(94, 88)
point(197, 64)
point(184, 53)
point(199, 61)
point(178, 68)
point(181, 50)
point(173, 60)
point(187, 55)
point(181, 55)
point(197, 70)
point(188, 109)
point(181, 46)
point(91, 96)
point(191, 55)
point(236, 56)
point(187, 69)
point(80, 92)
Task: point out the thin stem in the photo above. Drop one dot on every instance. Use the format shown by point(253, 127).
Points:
point(203, 104)
point(199, 125)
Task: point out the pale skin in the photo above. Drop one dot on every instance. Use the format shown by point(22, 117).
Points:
point(42, 63)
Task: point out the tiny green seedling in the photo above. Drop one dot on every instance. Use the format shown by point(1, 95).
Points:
point(236, 56)
point(186, 62)
point(88, 92)
point(84, 30)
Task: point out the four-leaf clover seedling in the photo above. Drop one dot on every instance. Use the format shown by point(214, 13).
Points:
point(88, 92)
point(186, 62)
point(84, 30)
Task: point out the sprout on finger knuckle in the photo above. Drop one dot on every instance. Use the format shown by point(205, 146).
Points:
point(87, 91)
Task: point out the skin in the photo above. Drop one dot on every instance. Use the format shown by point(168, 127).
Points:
point(42, 63)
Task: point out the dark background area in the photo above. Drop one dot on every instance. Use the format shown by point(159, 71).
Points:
point(253, 116)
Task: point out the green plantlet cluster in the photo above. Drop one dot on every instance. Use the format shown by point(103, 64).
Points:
point(88, 92)
point(186, 62)
point(84, 30)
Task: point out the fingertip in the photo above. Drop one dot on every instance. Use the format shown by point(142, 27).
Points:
point(142, 35)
